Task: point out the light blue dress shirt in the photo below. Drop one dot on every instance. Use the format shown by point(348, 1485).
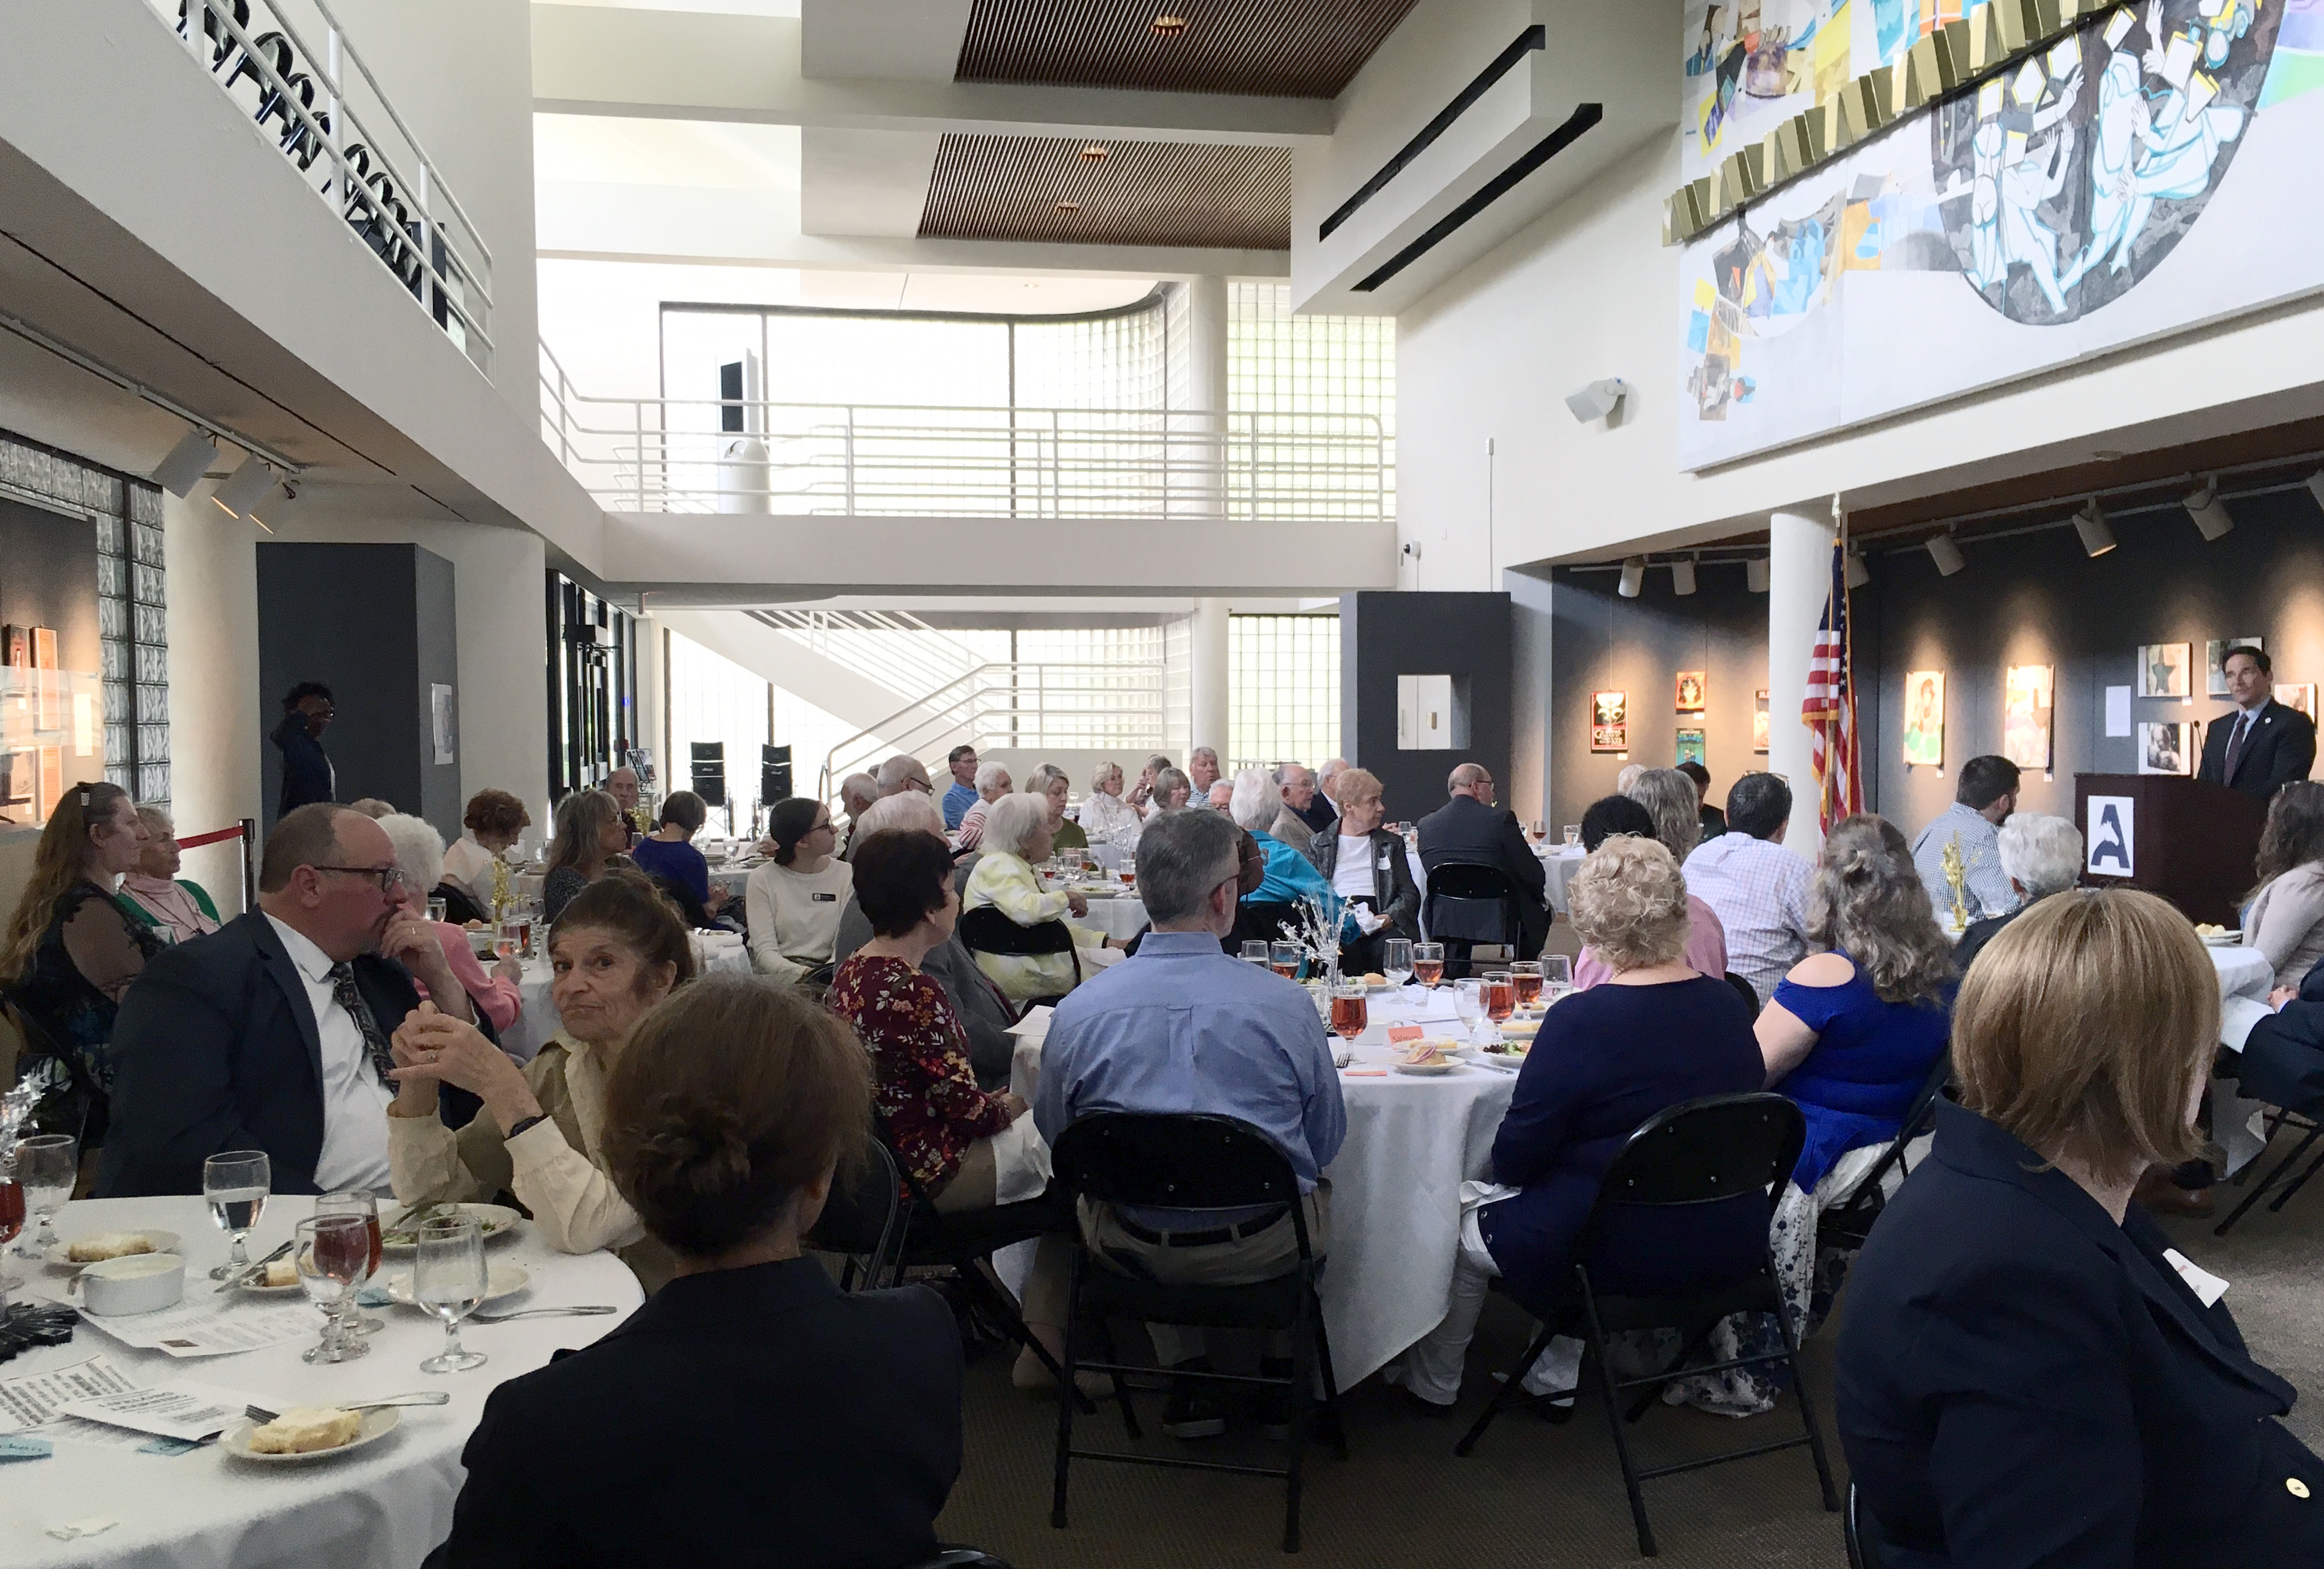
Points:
point(1988, 891)
point(1179, 1027)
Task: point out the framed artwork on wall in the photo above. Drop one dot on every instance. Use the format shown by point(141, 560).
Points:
point(51, 699)
point(2215, 680)
point(16, 778)
point(2027, 691)
point(1759, 721)
point(2166, 747)
point(1690, 692)
point(1609, 722)
point(1924, 717)
point(2299, 695)
point(16, 647)
point(1691, 747)
point(2162, 669)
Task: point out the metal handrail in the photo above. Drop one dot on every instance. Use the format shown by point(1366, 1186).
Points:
point(876, 644)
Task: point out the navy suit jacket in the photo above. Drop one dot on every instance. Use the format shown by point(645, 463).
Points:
point(306, 769)
point(1465, 830)
point(2022, 1381)
point(2281, 748)
point(216, 1048)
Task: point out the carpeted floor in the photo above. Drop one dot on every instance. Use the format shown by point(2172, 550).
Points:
point(1533, 1495)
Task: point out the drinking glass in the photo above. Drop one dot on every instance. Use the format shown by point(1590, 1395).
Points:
point(1285, 958)
point(12, 1221)
point(1468, 1002)
point(364, 1208)
point(46, 1165)
point(1556, 975)
point(1428, 963)
point(334, 1255)
point(448, 1279)
point(1129, 871)
point(1348, 1014)
point(1540, 830)
point(436, 910)
point(1254, 952)
point(1527, 975)
point(508, 941)
point(1396, 960)
point(1500, 994)
point(1572, 835)
point(236, 1185)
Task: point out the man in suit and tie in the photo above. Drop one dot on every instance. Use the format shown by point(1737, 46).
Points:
point(1469, 829)
point(272, 1033)
point(2262, 745)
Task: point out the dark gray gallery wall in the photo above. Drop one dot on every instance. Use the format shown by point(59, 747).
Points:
point(374, 623)
point(1385, 635)
point(48, 577)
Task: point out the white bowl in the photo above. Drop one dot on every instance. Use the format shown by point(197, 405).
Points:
point(118, 1287)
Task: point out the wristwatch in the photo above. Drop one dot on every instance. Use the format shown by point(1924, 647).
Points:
point(522, 1124)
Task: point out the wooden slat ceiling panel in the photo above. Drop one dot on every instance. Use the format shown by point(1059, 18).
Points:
point(1140, 193)
point(1290, 49)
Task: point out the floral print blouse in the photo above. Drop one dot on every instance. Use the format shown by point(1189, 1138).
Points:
point(926, 1092)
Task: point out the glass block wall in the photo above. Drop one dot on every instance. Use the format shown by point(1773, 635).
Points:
point(1283, 678)
point(1282, 363)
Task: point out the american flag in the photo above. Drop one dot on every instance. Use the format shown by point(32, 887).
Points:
point(1829, 708)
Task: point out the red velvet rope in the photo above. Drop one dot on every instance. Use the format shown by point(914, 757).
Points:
point(199, 840)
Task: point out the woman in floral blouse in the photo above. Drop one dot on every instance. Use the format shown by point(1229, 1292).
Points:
point(949, 1136)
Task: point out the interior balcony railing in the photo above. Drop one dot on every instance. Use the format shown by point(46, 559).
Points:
point(289, 66)
point(1058, 706)
point(671, 455)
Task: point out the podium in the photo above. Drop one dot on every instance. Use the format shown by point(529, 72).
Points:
point(2191, 841)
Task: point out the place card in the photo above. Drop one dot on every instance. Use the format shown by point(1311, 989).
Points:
point(2207, 1287)
point(190, 1412)
point(16, 1446)
point(1403, 1034)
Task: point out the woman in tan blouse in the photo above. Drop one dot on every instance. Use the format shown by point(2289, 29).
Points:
point(618, 949)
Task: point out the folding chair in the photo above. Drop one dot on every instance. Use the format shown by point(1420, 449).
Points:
point(1863, 1533)
point(859, 1221)
point(986, 930)
point(1468, 905)
point(1699, 1153)
point(1259, 922)
point(1850, 1220)
point(1191, 1162)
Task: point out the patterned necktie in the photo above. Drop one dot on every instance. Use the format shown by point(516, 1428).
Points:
point(343, 987)
point(2236, 739)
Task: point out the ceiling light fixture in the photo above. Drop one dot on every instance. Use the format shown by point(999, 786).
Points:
point(1859, 574)
point(2090, 524)
point(245, 488)
point(1683, 577)
point(1946, 554)
point(1169, 25)
point(1093, 155)
point(1069, 206)
point(1754, 574)
point(188, 461)
point(1634, 577)
point(2211, 516)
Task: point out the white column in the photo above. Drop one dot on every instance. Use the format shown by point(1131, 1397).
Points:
point(1209, 695)
point(1799, 581)
point(1203, 438)
point(219, 718)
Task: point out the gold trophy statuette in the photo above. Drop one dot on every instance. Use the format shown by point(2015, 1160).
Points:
point(1957, 879)
point(502, 895)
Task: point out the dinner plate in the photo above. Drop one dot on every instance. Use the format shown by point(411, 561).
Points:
point(2222, 940)
point(376, 1424)
point(504, 1280)
point(498, 1221)
point(1426, 1070)
point(61, 1256)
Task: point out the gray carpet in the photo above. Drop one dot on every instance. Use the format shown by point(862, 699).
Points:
point(1534, 1495)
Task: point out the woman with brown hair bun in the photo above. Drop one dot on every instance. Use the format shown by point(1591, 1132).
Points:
point(617, 950)
point(751, 1412)
point(2028, 1373)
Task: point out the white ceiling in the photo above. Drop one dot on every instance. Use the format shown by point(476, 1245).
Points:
point(701, 153)
point(723, 7)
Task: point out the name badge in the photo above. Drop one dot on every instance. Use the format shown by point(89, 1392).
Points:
point(824, 898)
point(1383, 861)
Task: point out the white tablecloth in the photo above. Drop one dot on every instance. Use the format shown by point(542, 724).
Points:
point(386, 1507)
point(2244, 976)
point(1561, 864)
point(539, 1020)
point(1121, 915)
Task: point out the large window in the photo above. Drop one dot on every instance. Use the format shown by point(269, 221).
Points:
point(1278, 364)
point(1284, 676)
point(713, 699)
point(592, 686)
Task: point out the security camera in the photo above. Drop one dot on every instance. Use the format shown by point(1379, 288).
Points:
point(1598, 400)
point(1412, 549)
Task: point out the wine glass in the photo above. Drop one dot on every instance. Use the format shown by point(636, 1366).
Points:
point(1468, 1002)
point(1129, 871)
point(1500, 994)
point(448, 1279)
point(365, 1208)
point(1285, 958)
point(334, 1255)
point(1349, 1013)
point(1254, 952)
point(236, 1185)
point(1556, 976)
point(12, 1221)
point(1527, 975)
point(46, 1165)
point(1396, 960)
point(1428, 963)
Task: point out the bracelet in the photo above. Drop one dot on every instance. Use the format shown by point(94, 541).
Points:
point(522, 1124)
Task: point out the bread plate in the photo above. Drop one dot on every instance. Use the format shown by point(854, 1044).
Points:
point(504, 1280)
point(60, 1255)
point(1425, 1070)
point(2221, 940)
point(496, 1220)
point(377, 1424)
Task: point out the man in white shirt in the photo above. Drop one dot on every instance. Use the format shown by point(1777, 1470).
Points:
point(271, 1032)
point(1757, 887)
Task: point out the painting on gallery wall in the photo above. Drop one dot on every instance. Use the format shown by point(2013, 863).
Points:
point(1693, 747)
point(2299, 695)
point(2026, 695)
point(2215, 679)
point(2162, 669)
point(1759, 721)
point(16, 770)
point(2018, 226)
point(2166, 748)
point(1924, 718)
point(1690, 692)
point(1609, 722)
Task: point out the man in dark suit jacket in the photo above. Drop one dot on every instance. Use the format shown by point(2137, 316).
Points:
point(247, 1040)
point(307, 774)
point(1469, 829)
point(2261, 745)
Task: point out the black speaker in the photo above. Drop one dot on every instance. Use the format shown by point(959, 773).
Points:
point(774, 774)
point(730, 395)
point(710, 772)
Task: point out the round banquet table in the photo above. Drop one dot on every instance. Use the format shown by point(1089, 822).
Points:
point(538, 1021)
point(384, 1506)
point(1117, 915)
point(1560, 864)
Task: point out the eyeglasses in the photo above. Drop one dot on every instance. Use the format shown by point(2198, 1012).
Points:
point(388, 877)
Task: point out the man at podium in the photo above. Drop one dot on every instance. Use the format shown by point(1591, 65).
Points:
point(2261, 744)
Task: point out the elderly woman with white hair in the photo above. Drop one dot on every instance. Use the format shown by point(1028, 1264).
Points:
point(156, 895)
point(2040, 855)
point(992, 782)
point(1668, 799)
point(1106, 817)
point(1290, 876)
point(1048, 782)
point(420, 857)
point(1039, 964)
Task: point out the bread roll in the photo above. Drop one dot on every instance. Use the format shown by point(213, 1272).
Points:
point(304, 1429)
point(99, 1246)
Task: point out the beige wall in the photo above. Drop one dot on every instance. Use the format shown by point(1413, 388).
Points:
point(219, 718)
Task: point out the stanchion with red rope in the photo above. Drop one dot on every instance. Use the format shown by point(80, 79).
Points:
point(247, 832)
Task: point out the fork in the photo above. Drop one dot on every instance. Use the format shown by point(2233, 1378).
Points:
point(586, 1312)
point(423, 1398)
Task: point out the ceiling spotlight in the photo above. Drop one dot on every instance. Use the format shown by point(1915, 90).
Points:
point(276, 506)
point(1598, 400)
point(2316, 487)
point(1093, 155)
point(1069, 206)
point(188, 461)
point(2211, 516)
point(1683, 577)
point(2090, 524)
point(1754, 574)
point(1634, 576)
point(245, 488)
point(1168, 26)
point(1946, 554)
point(1859, 574)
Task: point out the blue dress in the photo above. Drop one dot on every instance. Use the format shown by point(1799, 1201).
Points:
point(1870, 1061)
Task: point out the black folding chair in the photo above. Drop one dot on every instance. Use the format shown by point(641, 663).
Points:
point(1849, 1222)
point(1863, 1533)
point(1191, 1162)
point(861, 1221)
point(2273, 1182)
point(986, 930)
point(1469, 905)
point(1260, 921)
point(1743, 989)
point(1703, 1152)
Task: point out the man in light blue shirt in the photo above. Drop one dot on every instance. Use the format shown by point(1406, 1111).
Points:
point(962, 761)
point(1986, 796)
point(1180, 1028)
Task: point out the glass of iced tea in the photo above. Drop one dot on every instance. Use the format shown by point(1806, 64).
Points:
point(1500, 994)
point(1128, 872)
point(1348, 1014)
point(1428, 963)
point(365, 1207)
point(1526, 974)
point(1285, 958)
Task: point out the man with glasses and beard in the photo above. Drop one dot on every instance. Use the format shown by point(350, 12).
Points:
point(272, 1033)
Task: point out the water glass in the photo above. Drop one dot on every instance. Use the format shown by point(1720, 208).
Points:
point(1285, 958)
point(46, 1165)
point(508, 940)
point(334, 1255)
point(448, 1279)
point(1572, 835)
point(1468, 1002)
point(437, 910)
point(1556, 976)
point(1396, 960)
point(365, 1207)
point(236, 1185)
point(1428, 963)
point(1254, 952)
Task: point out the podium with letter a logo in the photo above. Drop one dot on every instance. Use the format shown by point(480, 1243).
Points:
point(2191, 841)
